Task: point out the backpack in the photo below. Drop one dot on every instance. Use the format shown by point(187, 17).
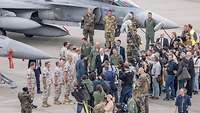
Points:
point(185, 75)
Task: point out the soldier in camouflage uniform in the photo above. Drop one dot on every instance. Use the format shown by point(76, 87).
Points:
point(88, 25)
point(134, 25)
point(31, 81)
point(25, 100)
point(47, 82)
point(132, 105)
point(58, 82)
point(68, 79)
point(133, 45)
point(141, 91)
point(110, 25)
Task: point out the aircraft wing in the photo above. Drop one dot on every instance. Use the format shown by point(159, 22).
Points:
point(15, 4)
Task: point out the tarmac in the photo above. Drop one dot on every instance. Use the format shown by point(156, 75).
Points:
point(180, 11)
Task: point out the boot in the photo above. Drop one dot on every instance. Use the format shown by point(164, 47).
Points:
point(66, 100)
point(48, 104)
point(56, 102)
point(44, 104)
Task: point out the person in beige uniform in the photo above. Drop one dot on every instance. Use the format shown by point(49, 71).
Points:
point(58, 82)
point(31, 81)
point(68, 78)
point(47, 82)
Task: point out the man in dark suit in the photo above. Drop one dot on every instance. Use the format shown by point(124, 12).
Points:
point(163, 41)
point(100, 59)
point(120, 49)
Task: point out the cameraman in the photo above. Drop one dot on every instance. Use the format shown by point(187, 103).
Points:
point(25, 100)
point(126, 75)
point(81, 96)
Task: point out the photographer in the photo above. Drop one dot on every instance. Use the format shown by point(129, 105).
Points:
point(25, 100)
point(81, 95)
point(126, 75)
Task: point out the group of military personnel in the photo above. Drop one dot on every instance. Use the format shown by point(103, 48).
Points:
point(88, 25)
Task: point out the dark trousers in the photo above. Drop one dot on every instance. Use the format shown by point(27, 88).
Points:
point(125, 94)
point(189, 87)
point(37, 77)
point(175, 85)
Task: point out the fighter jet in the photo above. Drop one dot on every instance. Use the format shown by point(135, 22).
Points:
point(31, 17)
point(14, 49)
point(19, 50)
point(15, 16)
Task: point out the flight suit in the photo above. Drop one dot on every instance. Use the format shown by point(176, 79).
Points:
point(26, 102)
point(58, 81)
point(31, 82)
point(110, 25)
point(47, 77)
point(88, 27)
point(149, 25)
point(85, 51)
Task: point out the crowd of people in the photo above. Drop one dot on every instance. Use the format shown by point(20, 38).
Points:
point(114, 79)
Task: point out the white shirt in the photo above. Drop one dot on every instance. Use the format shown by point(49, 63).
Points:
point(156, 69)
point(63, 52)
point(102, 57)
point(196, 64)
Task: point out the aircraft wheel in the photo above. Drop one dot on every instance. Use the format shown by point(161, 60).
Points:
point(3, 32)
point(28, 35)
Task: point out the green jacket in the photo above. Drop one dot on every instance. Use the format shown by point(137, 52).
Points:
point(89, 84)
point(132, 106)
point(149, 25)
point(98, 97)
point(88, 22)
point(86, 49)
point(92, 59)
point(116, 60)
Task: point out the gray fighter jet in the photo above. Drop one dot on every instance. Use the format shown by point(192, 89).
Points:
point(20, 50)
point(30, 16)
point(15, 49)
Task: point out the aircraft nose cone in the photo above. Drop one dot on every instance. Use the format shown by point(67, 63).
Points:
point(22, 51)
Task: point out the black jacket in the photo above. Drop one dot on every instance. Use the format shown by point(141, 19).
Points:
point(165, 42)
point(99, 63)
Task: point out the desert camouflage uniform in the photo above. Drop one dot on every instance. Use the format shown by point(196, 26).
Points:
point(88, 27)
point(141, 91)
point(47, 77)
point(58, 81)
point(110, 25)
point(68, 81)
point(31, 82)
